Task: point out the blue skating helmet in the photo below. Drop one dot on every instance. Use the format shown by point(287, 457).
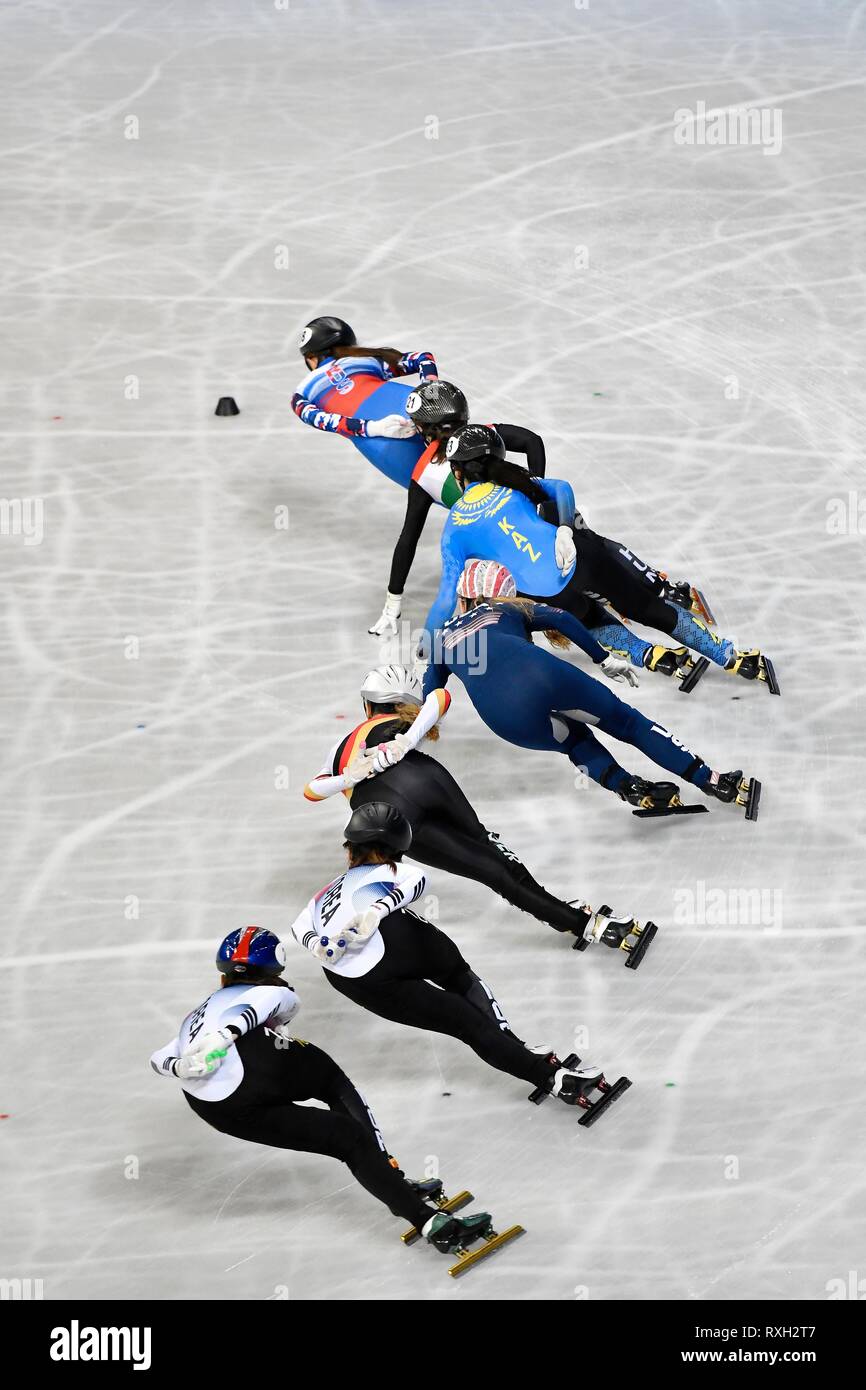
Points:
point(251, 953)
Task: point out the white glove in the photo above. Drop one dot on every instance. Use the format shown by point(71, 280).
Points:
point(618, 668)
point(564, 549)
point(361, 767)
point(389, 754)
point(328, 951)
point(361, 928)
point(206, 1056)
point(390, 427)
point(386, 624)
point(283, 1031)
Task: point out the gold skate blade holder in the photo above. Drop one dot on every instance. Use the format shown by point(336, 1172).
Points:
point(451, 1204)
point(493, 1241)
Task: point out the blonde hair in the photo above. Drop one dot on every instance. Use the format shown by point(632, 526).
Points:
point(526, 606)
point(408, 713)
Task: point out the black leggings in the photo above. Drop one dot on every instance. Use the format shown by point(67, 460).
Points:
point(457, 1002)
point(262, 1111)
point(447, 834)
point(606, 569)
point(418, 504)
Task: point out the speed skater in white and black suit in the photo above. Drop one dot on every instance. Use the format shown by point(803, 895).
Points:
point(243, 1072)
point(381, 760)
point(398, 965)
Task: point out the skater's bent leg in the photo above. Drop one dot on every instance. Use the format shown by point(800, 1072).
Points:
point(338, 1136)
point(489, 862)
point(694, 633)
point(421, 1005)
point(624, 722)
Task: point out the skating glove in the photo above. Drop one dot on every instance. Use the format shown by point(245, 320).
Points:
point(328, 950)
point(206, 1056)
point(389, 754)
point(386, 624)
point(617, 668)
point(361, 767)
point(390, 427)
point(361, 928)
point(564, 549)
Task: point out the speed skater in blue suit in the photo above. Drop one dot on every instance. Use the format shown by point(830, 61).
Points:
point(527, 525)
point(534, 699)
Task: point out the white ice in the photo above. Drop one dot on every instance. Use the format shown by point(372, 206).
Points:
point(696, 373)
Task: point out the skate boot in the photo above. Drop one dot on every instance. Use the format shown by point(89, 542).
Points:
point(428, 1189)
point(654, 798)
point(686, 596)
point(754, 666)
point(449, 1233)
point(667, 660)
point(729, 787)
point(621, 934)
point(574, 1084)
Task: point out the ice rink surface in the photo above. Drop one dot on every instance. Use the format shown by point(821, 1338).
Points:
point(499, 183)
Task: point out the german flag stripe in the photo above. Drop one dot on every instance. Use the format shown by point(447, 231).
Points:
point(352, 745)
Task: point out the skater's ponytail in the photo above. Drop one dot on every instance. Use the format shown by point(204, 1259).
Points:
point(509, 474)
point(407, 714)
point(527, 607)
point(390, 356)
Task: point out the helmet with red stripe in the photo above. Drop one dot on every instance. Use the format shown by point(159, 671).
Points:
point(486, 579)
point(251, 953)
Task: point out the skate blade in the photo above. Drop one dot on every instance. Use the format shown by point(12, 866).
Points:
point(749, 797)
point(540, 1093)
point(702, 608)
point(596, 1108)
point(652, 812)
point(451, 1204)
point(768, 674)
point(636, 954)
point(494, 1241)
point(693, 675)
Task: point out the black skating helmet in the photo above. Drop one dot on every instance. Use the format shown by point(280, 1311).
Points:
point(323, 333)
point(437, 408)
point(472, 449)
point(380, 824)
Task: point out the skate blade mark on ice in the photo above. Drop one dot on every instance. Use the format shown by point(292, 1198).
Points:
point(594, 1108)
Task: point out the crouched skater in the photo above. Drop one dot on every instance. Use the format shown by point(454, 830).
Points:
point(243, 1072)
point(377, 952)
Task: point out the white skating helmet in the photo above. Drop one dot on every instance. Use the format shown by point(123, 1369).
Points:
point(391, 685)
point(486, 579)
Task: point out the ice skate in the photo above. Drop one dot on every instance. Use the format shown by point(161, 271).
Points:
point(621, 934)
point(452, 1235)
point(654, 798)
point(573, 1084)
point(728, 787)
point(667, 660)
point(754, 666)
point(686, 596)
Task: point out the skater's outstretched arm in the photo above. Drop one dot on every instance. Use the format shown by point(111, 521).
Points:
point(518, 440)
point(544, 617)
point(311, 414)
